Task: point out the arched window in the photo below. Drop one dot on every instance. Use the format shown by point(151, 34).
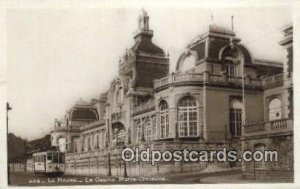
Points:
point(119, 95)
point(275, 109)
point(139, 131)
point(232, 61)
point(148, 131)
point(164, 119)
point(235, 117)
point(187, 117)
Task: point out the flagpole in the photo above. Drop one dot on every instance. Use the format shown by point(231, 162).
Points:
point(243, 95)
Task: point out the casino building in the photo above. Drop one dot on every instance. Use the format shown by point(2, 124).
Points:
point(200, 107)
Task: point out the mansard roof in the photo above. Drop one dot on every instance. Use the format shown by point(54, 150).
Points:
point(144, 44)
point(83, 110)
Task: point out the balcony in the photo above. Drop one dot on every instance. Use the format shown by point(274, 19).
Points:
point(273, 81)
point(271, 127)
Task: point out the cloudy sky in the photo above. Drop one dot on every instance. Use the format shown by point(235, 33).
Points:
point(56, 56)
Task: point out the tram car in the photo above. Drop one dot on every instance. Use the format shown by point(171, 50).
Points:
point(51, 162)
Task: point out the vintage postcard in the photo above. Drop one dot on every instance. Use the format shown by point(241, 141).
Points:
point(102, 93)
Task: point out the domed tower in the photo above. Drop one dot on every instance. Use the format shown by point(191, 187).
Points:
point(66, 130)
point(144, 61)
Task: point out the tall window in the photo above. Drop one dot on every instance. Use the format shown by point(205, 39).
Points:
point(154, 127)
point(187, 117)
point(101, 140)
point(121, 136)
point(164, 119)
point(139, 131)
point(231, 58)
point(87, 143)
point(119, 133)
point(83, 144)
point(275, 109)
point(119, 95)
point(236, 118)
point(148, 132)
point(96, 139)
point(231, 70)
point(261, 148)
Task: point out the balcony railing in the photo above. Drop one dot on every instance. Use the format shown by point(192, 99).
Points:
point(276, 126)
point(206, 77)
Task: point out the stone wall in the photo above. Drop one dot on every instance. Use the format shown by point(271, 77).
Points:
point(283, 169)
point(109, 160)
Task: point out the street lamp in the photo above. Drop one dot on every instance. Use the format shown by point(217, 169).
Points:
point(8, 168)
point(125, 165)
point(109, 166)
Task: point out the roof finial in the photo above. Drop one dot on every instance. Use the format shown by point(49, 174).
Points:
point(232, 22)
point(212, 17)
point(143, 20)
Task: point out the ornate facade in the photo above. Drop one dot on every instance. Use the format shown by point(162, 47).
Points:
point(201, 107)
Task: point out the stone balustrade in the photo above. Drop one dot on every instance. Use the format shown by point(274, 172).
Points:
point(272, 81)
point(208, 78)
point(271, 127)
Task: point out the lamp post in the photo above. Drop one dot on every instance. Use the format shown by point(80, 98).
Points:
point(125, 165)
point(109, 166)
point(8, 168)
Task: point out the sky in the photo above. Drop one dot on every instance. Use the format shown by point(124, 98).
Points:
point(57, 56)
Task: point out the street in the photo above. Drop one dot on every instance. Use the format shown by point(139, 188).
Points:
point(30, 179)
